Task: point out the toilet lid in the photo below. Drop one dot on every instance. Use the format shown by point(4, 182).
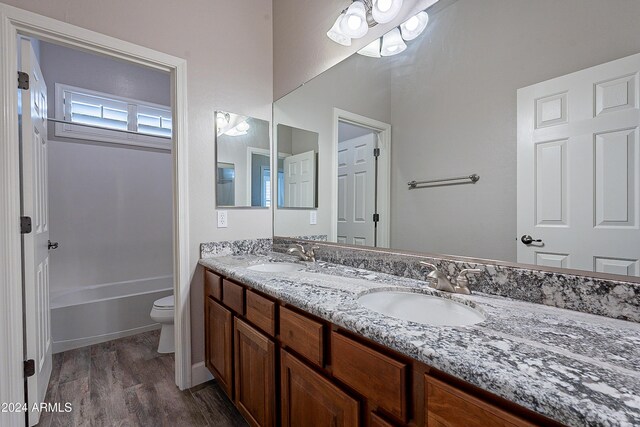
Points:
point(166, 302)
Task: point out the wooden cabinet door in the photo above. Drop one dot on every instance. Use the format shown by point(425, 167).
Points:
point(308, 399)
point(218, 344)
point(255, 371)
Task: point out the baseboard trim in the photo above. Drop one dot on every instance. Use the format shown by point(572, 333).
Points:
point(199, 374)
point(60, 346)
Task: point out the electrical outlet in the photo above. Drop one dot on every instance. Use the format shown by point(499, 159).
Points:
point(313, 217)
point(222, 219)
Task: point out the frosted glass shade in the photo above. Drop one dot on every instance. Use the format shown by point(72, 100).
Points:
point(336, 34)
point(372, 49)
point(384, 11)
point(414, 26)
point(354, 23)
point(392, 43)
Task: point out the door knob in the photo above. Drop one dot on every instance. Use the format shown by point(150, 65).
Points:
point(527, 240)
point(52, 245)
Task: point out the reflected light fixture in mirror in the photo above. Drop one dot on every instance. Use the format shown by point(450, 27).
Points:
point(354, 23)
point(414, 26)
point(384, 11)
point(392, 43)
point(336, 34)
point(372, 49)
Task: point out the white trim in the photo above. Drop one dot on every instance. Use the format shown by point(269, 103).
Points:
point(14, 21)
point(384, 173)
point(199, 374)
point(250, 152)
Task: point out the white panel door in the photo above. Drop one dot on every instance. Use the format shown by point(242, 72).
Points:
point(356, 190)
point(300, 180)
point(35, 246)
point(579, 169)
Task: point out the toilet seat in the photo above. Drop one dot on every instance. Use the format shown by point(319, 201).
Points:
point(166, 303)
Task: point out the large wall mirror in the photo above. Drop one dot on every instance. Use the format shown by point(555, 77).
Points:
point(508, 130)
point(243, 161)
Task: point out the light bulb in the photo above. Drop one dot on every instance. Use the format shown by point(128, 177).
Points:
point(243, 126)
point(384, 11)
point(384, 5)
point(222, 119)
point(414, 26)
point(336, 34)
point(392, 43)
point(354, 23)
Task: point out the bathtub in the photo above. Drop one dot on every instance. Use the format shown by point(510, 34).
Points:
point(105, 312)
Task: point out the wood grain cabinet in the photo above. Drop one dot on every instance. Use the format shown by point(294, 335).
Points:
point(282, 366)
point(255, 371)
point(447, 406)
point(309, 399)
point(218, 343)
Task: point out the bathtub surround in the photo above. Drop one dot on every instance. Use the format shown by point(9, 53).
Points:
point(610, 298)
point(576, 368)
point(235, 247)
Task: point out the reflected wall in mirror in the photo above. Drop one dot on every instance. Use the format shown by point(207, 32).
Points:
point(297, 184)
point(539, 99)
point(243, 161)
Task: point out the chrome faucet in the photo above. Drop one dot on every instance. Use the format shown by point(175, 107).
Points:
point(442, 282)
point(304, 255)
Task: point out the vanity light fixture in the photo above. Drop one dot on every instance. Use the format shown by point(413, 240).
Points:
point(392, 43)
point(414, 26)
point(336, 34)
point(372, 49)
point(354, 22)
point(384, 11)
point(240, 129)
point(222, 119)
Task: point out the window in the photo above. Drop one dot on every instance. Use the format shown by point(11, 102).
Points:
point(111, 114)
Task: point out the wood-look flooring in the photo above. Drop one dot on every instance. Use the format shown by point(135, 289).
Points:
point(126, 382)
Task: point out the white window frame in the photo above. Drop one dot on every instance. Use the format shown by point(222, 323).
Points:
point(105, 135)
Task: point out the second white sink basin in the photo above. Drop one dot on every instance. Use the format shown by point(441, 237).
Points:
point(276, 267)
point(421, 308)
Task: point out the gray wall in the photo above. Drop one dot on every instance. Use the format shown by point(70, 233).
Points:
point(110, 207)
point(228, 69)
point(454, 110)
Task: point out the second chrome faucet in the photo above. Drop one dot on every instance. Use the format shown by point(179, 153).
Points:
point(442, 282)
point(304, 255)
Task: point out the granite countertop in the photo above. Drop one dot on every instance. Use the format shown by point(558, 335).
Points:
point(576, 368)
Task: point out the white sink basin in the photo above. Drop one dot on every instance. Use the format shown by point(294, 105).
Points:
point(421, 308)
point(276, 267)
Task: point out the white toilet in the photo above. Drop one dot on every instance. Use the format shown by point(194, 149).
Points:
point(162, 312)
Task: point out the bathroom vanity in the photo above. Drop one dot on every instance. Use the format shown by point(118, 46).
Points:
point(296, 348)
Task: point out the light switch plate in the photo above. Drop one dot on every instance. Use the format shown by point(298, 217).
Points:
point(222, 219)
point(313, 217)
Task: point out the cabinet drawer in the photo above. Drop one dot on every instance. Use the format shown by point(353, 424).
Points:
point(302, 335)
point(448, 406)
point(380, 378)
point(233, 296)
point(261, 312)
point(212, 285)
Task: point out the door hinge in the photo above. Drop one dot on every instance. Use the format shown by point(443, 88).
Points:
point(29, 368)
point(376, 152)
point(25, 224)
point(376, 217)
point(23, 80)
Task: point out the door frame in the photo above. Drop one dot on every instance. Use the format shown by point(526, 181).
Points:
point(15, 22)
point(384, 172)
